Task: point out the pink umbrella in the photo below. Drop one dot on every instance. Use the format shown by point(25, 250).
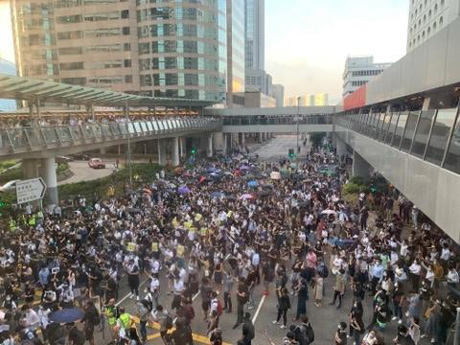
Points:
point(247, 196)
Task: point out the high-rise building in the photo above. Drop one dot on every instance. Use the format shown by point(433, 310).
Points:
point(157, 48)
point(254, 28)
point(278, 94)
point(235, 49)
point(7, 67)
point(255, 34)
point(427, 17)
point(358, 71)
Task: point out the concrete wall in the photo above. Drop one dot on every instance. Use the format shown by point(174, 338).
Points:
point(434, 190)
point(431, 65)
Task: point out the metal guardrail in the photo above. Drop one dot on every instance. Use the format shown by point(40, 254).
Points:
point(39, 138)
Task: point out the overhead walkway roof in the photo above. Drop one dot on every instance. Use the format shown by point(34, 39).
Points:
point(23, 88)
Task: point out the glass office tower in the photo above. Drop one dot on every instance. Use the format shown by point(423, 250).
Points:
point(158, 48)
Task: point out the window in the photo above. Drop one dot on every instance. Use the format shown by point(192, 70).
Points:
point(69, 19)
point(71, 51)
point(429, 14)
point(70, 66)
point(434, 26)
point(441, 22)
point(439, 135)
point(70, 35)
point(126, 31)
point(125, 14)
point(428, 31)
point(128, 79)
point(442, 3)
point(424, 19)
point(435, 8)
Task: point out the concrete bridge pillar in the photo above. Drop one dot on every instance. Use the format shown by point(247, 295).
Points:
point(224, 143)
point(162, 152)
point(48, 172)
point(102, 151)
point(210, 150)
point(30, 168)
point(182, 146)
point(175, 151)
point(243, 139)
point(218, 141)
point(361, 167)
point(341, 147)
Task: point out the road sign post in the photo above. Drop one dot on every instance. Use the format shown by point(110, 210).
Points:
point(30, 190)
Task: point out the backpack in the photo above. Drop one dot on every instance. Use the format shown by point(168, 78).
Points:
point(219, 308)
point(251, 332)
point(301, 336)
point(308, 330)
point(323, 270)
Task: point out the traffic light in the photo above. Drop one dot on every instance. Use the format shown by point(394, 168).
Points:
point(193, 151)
point(291, 153)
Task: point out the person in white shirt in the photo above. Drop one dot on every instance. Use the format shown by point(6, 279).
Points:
point(415, 270)
point(179, 289)
point(452, 277)
point(155, 288)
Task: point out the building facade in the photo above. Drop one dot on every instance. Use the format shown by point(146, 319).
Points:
point(278, 94)
point(235, 49)
point(7, 67)
point(155, 48)
point(308, 100)
point(359, 71)
point(427, 17)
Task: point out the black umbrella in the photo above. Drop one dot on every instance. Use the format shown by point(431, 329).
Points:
point(67, 315)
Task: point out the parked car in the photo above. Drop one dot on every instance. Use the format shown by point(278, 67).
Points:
point(96, 163)
point(63, 159)
point(9, 186)
point(80, 157)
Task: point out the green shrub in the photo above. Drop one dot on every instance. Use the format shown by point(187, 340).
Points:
point(351, 188)
point(358, 180)
point(145, 173)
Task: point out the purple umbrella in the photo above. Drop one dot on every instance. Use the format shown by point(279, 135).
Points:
point(244, 167)
point(183, 190)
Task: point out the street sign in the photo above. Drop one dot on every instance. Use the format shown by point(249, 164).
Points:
point(30, 190)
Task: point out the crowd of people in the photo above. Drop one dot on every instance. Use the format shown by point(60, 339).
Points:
point(220, 229)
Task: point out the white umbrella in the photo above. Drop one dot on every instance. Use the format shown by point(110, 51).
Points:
point(328, 212)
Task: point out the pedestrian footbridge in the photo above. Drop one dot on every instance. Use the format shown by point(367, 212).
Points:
point(51, 141)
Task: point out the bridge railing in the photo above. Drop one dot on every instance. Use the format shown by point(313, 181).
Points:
point(432, 135)
point(279, 120)
point(37, 138)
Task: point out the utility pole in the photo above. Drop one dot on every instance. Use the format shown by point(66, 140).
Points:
point(297, 136)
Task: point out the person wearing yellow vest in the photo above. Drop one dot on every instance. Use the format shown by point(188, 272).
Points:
point(12, 225)
point(124, 322)
point(32, 221)
point(111, 313)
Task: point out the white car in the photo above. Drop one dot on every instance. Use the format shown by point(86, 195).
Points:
point(9, 186)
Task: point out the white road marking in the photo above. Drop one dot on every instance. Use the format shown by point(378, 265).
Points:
point(259, 308)
point(129, 293)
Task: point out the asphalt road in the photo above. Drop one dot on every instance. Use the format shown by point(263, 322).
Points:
point(279, 147)
point(82, 172)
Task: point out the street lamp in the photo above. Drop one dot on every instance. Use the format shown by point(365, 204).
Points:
point(297, 135)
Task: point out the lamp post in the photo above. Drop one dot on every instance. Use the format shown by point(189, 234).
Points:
point(297, 135)
point(130, 168)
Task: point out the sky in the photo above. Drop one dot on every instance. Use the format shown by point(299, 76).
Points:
point(308, 41)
